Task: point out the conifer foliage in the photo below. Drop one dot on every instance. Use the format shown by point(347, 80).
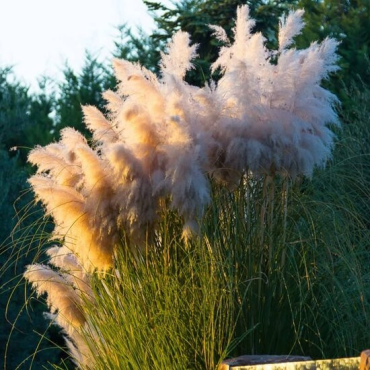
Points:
point(164, 142)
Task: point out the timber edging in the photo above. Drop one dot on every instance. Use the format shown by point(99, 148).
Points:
point(266, 362)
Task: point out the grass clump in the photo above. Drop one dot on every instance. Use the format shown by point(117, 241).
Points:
point(200, 225)
point(297, 282)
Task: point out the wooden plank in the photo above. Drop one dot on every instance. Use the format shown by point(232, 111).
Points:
point(249, 360)
point(352, 363)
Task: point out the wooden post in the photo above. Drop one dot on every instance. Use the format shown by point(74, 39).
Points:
point(365, 360)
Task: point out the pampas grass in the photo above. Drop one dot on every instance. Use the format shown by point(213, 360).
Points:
point(168, 145)
point(185, 235)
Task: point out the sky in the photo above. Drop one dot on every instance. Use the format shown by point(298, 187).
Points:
point(37, 37)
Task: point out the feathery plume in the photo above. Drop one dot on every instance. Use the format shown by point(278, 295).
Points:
point(290, 27)
point(64, 259)
point(178, 59)
point(53, 159)
point(61, 297)
point(219, 33)
point(242, 30)
point(99, 125)
point(281, 127)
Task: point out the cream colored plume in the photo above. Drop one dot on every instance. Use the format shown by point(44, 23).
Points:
point(66, 291)
point(290, 26)
point(102, 129)
point(180, 54)
point(275, 114)
point(64, 259)
point(61, 296)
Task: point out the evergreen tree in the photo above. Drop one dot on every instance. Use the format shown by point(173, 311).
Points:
point(80, 89)
point(42, 106)
point(137, 47)
point(24, 121)
point(14, 105)
point(14, 120)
